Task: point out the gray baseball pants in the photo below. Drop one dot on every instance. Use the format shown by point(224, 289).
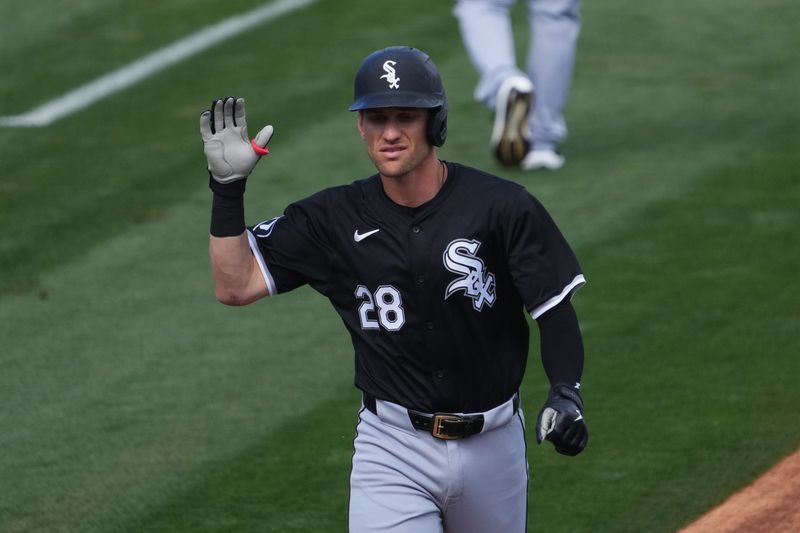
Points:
point(554, 25)
point(405, 480)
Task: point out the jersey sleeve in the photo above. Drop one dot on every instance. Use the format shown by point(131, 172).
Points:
point(291, 249)
point(543, 267)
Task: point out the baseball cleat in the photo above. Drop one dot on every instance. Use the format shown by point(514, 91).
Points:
point(510, 140)
point(542, 159)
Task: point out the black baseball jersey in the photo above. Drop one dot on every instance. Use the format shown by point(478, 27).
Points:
point(433, 296)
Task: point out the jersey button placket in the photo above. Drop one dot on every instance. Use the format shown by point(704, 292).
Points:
point(415, 230)
point(418, 250)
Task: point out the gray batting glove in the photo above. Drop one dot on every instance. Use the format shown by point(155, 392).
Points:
point(230, 153)
point(561, 420)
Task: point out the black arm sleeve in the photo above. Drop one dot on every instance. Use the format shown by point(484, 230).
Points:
point(561, 344)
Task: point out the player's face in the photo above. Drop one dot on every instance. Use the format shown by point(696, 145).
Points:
point(396, 138)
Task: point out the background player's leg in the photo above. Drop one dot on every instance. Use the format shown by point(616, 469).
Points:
point(494, 485)
point(486, 31)
point(395, 479)
point(554, 27)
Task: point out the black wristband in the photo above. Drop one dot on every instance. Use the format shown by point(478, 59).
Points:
point(227, 208)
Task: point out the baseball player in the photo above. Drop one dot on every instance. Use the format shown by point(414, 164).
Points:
point(519, 137)
point(431, 266)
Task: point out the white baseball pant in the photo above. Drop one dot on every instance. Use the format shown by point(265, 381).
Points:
point(554, 26)
point(405, 480)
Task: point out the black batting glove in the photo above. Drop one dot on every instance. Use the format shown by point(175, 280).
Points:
point(561, 420)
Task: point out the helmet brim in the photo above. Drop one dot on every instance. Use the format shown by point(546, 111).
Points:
point(397, 99)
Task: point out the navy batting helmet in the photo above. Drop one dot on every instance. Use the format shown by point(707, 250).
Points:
point(401, 76)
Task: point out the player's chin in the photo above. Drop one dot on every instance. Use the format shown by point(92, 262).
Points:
point(392, 167)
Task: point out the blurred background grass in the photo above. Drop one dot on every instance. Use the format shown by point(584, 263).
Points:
point(132, 401)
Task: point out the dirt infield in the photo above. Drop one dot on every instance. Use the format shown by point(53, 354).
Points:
point(770, 504)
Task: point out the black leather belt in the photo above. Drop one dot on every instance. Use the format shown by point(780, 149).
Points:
point(445, 426)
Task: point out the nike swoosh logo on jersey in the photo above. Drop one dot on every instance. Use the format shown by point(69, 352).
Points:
point(358, 237)
point(580, 416)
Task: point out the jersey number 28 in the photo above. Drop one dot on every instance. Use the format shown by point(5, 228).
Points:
point(384, 308)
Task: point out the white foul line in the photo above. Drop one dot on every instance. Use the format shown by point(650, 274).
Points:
point(145, 67)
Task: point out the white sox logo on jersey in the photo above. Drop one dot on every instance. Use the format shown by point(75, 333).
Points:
point(459, 257)
point(391, 78)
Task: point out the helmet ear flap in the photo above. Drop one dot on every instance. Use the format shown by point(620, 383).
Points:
point(437, 125)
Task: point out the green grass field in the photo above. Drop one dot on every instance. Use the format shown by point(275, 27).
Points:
point(133, 401)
